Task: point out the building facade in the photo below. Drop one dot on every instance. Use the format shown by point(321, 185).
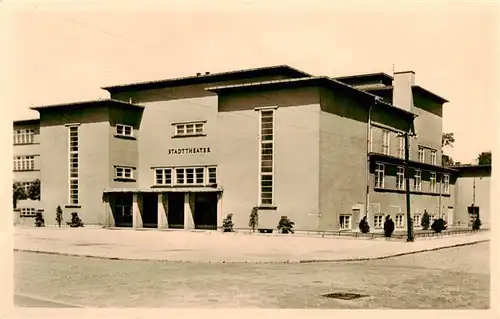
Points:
point(26, 165)
point(185, 152)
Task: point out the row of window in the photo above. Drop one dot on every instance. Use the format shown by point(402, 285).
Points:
point(186, 176)
point(24, 163)
point(24, 136)
point(417, 181)
point(345, 221)
point(266, 160)
point(180, 129)
point(73, 165)
point(27, 212)
point(169, 176)
point(421, 157)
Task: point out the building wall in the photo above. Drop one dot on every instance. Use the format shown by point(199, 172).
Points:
point(464, 198)
point(429, 129)
point(296, 167)
point(123, 151)
point(93, 162)
point(343, 143)
point(163, 108)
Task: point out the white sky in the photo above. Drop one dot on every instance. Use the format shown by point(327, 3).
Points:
point(62, 53)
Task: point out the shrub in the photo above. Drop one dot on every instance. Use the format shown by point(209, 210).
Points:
point(39, 220)
point(59, 215)
point(439, 225)
point(388, 226)
point(254, 219)
point(285, 225)
point(75, 221)
point(363, 226)
point(18, 193)
point(476, 225)
point(227, 223)
point(426, 221)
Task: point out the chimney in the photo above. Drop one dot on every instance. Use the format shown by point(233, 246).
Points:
point(198, 74)
point(402, 95)
point(207, 73)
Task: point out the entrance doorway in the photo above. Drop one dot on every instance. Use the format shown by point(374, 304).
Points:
point(122, 209)
point(175, 216)
point(150, 210)
point(205, 211)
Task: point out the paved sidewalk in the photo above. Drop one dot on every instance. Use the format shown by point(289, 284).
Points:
point(220, 247)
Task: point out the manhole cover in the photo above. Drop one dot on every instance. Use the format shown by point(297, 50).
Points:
point(343, 295)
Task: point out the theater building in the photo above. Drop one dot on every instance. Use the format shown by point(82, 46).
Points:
point(182, 153)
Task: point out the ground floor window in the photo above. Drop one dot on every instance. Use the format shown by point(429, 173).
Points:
point(27, 212)
point(416, 220)
point(345, 222)
point(377, 221)
point(400, 221)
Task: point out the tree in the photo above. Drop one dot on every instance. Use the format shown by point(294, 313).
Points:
point(18, 193)
point(426, 221)
point(446, 160)
point(476, 225)
point(285, 225)
point(254, 219)
point(59, 215)
point(75, 221)
point(227, 223)
point(363, 226)
point(447, 140)
point(39, 220)
point(33, 192)
point(439, 225)
point(388, 226)
point(484, 158)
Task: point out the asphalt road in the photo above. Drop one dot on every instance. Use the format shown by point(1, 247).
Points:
point(456, 278)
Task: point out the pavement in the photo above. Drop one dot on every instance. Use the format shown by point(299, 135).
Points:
point(218, 247)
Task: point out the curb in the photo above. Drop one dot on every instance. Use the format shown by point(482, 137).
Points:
point(310, 261)
point(61, 303)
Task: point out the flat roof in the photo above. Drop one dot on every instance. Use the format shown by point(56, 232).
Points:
point(305, 81)
point(206, 78)
point(384, 77)
point(416, 88)
point(27, 121)
point(90, 103)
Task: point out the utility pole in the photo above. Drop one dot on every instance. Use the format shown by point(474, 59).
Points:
point(409, 223)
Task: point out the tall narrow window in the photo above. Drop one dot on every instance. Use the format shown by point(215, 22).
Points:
point(421, 156)
point(433, 183)
point(433, 157)
point(266, 156)
point(73, 165)
point(446, 184)
point(379, 175)
point(212, 175)
point(385, 142)
point(418, 181)
point(401, 147)
point(400, 178)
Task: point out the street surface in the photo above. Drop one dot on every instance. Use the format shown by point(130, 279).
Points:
point(457, 278)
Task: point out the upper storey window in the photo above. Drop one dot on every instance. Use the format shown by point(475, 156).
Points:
point(24, 136)
point(124, 130)
point(189, 128)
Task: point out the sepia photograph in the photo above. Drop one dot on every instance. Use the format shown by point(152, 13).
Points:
point(250, 155)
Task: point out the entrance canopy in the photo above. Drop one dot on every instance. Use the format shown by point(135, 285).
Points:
point(165, 190)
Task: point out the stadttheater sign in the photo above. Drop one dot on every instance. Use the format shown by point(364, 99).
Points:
point(191, 150)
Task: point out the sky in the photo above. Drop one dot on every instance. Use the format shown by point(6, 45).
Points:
point(65, 52)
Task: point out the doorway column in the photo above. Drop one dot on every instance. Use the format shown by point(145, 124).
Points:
point(219, 210)
point(109, 219)
point(162, 210)
point(188, 211)
point(136, 212)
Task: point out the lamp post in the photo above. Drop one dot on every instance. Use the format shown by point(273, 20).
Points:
point(406, 135)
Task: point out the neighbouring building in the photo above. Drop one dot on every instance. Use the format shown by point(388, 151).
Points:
point(185, 152)
point(26, 166)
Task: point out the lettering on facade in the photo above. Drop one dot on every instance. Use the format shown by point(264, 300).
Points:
point(192, 150)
